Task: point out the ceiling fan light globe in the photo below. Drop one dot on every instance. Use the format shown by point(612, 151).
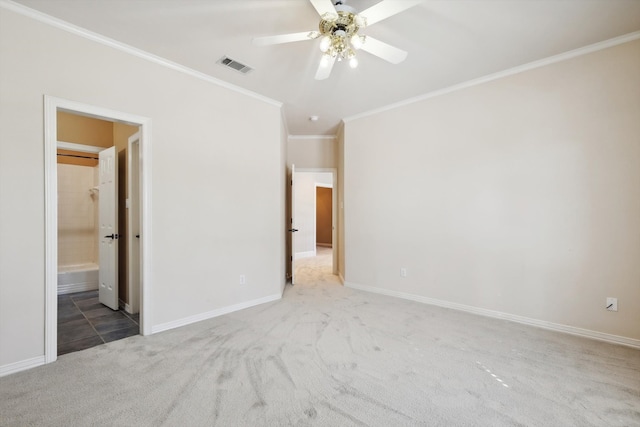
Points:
point(325, 43)
point(360, 21)
point(357, 41)
point(329, 17)
point(353, 62)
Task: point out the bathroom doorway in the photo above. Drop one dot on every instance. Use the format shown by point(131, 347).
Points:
point(93, 302)
point(75, 318)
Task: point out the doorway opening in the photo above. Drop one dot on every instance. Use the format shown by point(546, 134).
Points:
point(95, 274)
point(314, 246)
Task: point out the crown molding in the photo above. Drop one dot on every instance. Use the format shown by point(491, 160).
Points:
point(284, 122)
point(501, 74)
point(310, 137)
point(106, 41)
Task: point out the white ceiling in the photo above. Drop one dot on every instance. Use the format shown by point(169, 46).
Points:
point(449, 42)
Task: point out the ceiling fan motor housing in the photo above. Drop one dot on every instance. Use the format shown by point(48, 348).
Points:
point(340, 29)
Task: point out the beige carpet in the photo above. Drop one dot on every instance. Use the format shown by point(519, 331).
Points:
point(316, 270)
point(326, 355)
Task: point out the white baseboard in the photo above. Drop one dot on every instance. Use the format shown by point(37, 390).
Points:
point(23, 365)
point(124, 306)
point(213, 313)
point(77, 287)
point(586, 333)
point(305, 254)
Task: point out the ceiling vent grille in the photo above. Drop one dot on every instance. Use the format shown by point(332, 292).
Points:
point(235, 65)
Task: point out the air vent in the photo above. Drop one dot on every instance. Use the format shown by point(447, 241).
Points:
point(235, 65)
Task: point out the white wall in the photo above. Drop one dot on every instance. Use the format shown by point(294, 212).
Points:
point(211, 173)
point(521, 195)
point(312, 152)
point(305, 210)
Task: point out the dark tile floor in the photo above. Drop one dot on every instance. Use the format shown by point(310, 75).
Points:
point(83, 322)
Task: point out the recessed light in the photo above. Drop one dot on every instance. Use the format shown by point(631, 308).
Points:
point(313, 118)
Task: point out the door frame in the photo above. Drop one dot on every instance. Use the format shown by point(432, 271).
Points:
point(133, 213)
point(292, 224)
point(51, 106)
point(334, 213)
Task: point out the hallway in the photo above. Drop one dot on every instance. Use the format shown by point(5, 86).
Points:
point(316, 270)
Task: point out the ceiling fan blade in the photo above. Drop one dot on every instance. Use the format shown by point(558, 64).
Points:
point(385, 51)
point(285, 38)
point(324, 6)
point(324, 69)
point(386, 9)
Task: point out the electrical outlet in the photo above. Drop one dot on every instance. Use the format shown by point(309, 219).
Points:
point(403, 272)
point(612, 304)
point(243, 279)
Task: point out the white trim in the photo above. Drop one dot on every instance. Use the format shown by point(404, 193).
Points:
point(134, 294)
point(22, 365)
point(124, 306)
point(341, 277)
point(213, 313)
point(284, 124)
point(51, 230)
point(309, 137)
point(90, 35)
point(144, 174)
point(585, 333)
point(505, 73)
point(318, 170)
point(81, 148)
point(51, 106)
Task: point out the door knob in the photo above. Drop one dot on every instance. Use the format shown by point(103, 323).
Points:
point(293, 230)
point(111, 236)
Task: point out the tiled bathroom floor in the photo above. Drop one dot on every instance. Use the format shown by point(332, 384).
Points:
point(83, 322)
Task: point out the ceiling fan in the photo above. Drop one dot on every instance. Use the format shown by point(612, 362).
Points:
point(339, 33)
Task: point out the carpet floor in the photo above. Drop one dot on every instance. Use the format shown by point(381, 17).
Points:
point(326, 355)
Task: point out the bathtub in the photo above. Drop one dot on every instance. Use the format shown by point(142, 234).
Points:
point(77, 278)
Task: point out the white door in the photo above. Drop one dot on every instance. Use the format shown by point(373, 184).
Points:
point(108, 219)
point(292, 227)
point(133, 231)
